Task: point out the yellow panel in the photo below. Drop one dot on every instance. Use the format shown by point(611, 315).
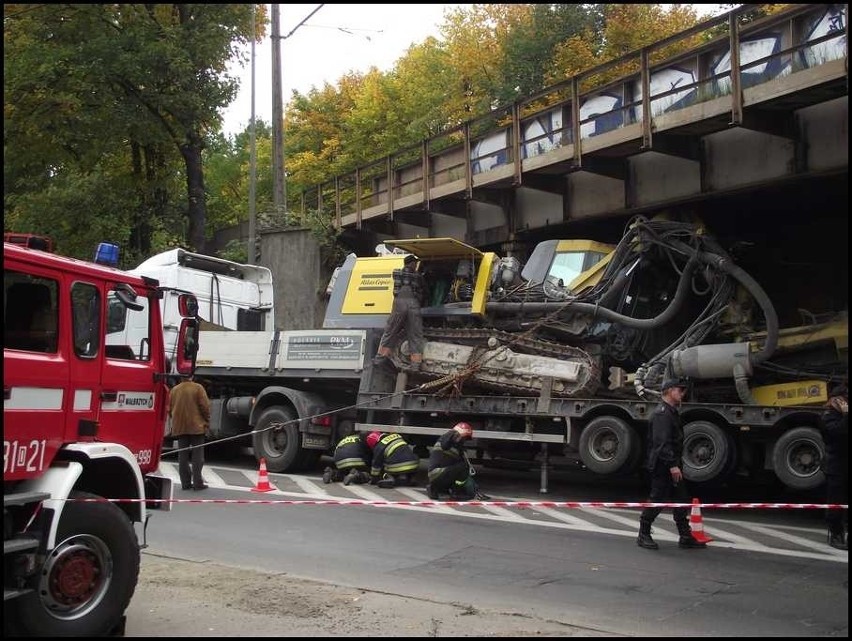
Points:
point(590, 277)
point(483, 280)
point(370, 288)
point(435, 248)
point(796, 393)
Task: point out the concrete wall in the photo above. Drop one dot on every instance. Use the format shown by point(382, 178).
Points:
point(299, 277)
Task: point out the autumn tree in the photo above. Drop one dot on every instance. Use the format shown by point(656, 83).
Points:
point(624, 28)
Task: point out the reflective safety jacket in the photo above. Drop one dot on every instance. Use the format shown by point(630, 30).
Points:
point(394, 456)
point(448, 454)
point(352, 451)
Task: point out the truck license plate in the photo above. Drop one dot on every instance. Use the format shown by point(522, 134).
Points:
point(315, 442)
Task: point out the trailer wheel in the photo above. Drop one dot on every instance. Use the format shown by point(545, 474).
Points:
point(280, 446)
point(709, 453)
point(634, 461)
point(606, 444)
point(797, 456)
point(85, 584)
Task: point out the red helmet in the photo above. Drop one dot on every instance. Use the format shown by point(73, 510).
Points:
point(464, 430)
point(373, 438)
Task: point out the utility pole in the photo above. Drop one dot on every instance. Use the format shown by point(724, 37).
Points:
point(252, 205)
point(279, 195)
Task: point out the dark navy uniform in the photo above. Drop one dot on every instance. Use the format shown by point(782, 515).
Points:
point(665, 449)
point(394, 462)
point(351, 461)
point(352, 452)
point(449, 469)
point(835, 435)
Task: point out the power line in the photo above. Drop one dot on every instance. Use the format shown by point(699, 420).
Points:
point(304, 20)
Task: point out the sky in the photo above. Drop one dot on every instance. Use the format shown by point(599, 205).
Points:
point(337, 38)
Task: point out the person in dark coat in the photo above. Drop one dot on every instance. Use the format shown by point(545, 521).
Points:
point(352, 459)
point(394, 461)
point(404, 319)
point(835, 435)
point(449, 470)
point(189, 411)
point(665, 449)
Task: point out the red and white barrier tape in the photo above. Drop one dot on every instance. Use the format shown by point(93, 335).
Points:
point(519, 504)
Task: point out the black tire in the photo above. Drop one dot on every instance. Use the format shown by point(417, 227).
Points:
point(709, 452)
point(86, 583)
point(606, 444)
point(280, 446)
point(635, 459)
point(797, 456)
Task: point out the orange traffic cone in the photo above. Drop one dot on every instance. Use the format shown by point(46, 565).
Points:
point(697, 524)
point(262, 479)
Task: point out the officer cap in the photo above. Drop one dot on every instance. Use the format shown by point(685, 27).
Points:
point(409, 258)
point(674, 382)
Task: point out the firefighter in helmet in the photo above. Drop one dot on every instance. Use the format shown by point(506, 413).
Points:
point(449, 470)
point(394, 461)
point(351, 461)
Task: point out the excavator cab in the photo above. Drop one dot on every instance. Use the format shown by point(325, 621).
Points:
point(573, 265)
point(456, 276)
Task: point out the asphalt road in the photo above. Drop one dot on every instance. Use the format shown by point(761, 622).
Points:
point(445, 571)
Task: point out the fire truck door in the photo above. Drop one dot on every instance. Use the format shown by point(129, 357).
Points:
point(127, 396)
point(85, 356)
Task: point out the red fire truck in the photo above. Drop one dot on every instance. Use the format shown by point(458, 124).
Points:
point(83, 423)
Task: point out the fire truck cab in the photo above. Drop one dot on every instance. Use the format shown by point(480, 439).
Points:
point(83, 423)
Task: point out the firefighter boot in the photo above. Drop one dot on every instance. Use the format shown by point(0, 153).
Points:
point(686, 539)
point(387, 481)
point(432, 493)
point(644, 540)
point(350, 477)
point(327, 475)
point(383, 358)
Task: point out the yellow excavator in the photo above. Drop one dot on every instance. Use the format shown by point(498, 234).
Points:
point(667, 300)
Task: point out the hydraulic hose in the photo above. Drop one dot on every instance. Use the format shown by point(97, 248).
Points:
point(741, 383)
point(595, 311)
point(725, 265)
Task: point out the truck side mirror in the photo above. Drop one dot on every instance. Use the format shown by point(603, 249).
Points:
point(187, 306)
point(187, 346)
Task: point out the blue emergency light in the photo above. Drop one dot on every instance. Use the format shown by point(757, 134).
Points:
point(107, 254)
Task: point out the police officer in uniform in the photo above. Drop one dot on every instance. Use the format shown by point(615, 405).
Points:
point(665, 448)
point(351, 461)
point(405, 316)
point(394, 461)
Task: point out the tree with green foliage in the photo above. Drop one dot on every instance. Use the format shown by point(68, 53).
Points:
point(118, 98)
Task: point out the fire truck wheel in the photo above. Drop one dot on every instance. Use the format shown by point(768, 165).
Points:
point(709, 453)
point(606, 444)
point(279, 445)
point(87, 581)
point(797, 456)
